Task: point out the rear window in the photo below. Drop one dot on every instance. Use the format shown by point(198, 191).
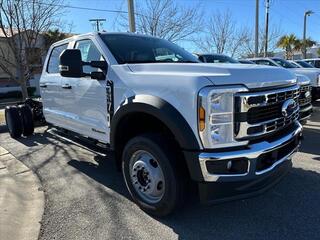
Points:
point(53, 63)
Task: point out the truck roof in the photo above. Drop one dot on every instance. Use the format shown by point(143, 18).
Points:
point(75, 37)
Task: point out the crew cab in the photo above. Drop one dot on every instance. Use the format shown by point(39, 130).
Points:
point(170, 121)
point(312, 73)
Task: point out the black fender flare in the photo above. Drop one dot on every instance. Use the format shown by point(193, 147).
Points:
point(161, 110)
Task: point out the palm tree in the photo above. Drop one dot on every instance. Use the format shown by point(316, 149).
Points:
point(288, 43)
point(299, 44)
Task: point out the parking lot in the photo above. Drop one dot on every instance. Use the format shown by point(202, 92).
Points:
point(86, 197)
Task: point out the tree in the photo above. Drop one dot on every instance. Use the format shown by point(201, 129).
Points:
point(221, 35)
point(166, 19)
point(21, 25)
point(274, 33)
point(53, 36)
point(289, 43)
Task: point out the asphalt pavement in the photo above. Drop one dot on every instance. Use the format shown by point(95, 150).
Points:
point(86, 199)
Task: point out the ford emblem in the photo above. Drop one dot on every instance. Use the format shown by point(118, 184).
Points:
point(288, 107)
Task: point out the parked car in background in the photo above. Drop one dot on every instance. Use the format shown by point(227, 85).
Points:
point(295, 64)
point(245, 61)
point(312, 73)
point(215, 58)
point(313, 61)
point(304, 64)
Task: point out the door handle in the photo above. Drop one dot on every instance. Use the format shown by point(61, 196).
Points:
point(66, 86)
point(43, 85)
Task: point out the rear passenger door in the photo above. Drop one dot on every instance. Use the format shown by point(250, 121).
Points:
point(85, 98)
point(50, 87)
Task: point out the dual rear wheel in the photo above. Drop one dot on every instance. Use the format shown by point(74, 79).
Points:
point(19, 120)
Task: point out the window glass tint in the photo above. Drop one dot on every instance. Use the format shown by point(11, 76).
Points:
point(284, 63)
point(89, 52)
point(264, 62)
point(305, 64)
point(317, 64)
point(141, 49)
point(53, 64)
point(220, 59)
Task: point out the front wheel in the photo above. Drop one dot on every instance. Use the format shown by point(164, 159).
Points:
point(150, 172)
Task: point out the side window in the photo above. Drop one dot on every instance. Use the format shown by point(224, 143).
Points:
point(317, 64)
point(89, 52)
point(264, 62)
point(53, 63)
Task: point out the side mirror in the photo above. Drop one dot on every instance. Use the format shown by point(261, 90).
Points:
point(71, 63)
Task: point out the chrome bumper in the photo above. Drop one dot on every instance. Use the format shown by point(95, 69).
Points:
point(252, 153)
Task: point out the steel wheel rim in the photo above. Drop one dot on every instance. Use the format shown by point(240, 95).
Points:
point(146, 176)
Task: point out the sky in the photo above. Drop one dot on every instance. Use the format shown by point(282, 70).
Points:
point(288, 14)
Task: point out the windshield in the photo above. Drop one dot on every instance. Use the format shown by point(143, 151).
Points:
point(305, 64)
point(219, 59)
point(283, 63)
point(142, 49)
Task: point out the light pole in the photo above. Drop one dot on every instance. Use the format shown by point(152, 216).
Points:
point(132, 24)
point(256, 41)
point(304, 47)
point(266, 29)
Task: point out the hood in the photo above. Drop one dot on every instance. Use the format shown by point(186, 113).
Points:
point(249, 75)
point(312, 74)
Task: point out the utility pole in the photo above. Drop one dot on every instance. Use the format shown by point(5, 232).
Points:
point(267, 29)
point(97, 22)
point(256, 42)
point(132, 23)
point(304, 47)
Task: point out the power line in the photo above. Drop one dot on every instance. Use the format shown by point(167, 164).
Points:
point(97, 22)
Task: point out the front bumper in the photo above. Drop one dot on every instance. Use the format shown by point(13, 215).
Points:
point(267, 162)
point(315, 93)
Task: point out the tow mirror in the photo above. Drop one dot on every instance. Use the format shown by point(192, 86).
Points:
point(71, 64)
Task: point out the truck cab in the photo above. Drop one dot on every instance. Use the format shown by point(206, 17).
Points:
point(171, 121)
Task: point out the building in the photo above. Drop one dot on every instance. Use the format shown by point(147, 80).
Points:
point(7, 60)
point(311, 53)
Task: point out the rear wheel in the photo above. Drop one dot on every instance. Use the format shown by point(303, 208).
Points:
point(27, 120)
point(150, 172)
point(13, 121)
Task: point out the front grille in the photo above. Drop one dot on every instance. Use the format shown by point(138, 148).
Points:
point(305, 95)
point(260, 113)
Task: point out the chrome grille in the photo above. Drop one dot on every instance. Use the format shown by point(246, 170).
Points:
point(303, 99)
point(260, 113)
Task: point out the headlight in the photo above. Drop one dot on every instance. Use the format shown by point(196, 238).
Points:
point(215, 117)
point(318, 82)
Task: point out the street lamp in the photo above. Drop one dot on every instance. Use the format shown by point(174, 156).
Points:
point(304, 47)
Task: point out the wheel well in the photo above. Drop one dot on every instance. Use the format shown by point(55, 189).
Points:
point(138, 123)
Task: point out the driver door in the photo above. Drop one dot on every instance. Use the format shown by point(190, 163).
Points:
point(85, 98)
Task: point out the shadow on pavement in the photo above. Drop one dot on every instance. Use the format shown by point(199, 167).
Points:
point(290, 210)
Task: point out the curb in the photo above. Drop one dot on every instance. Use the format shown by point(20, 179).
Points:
point(21, 199)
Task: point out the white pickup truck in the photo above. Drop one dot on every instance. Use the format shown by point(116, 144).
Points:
point(169, 120)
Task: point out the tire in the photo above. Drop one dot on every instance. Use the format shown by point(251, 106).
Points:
point(150, 157)
point(13, 121)
point(27, 120)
